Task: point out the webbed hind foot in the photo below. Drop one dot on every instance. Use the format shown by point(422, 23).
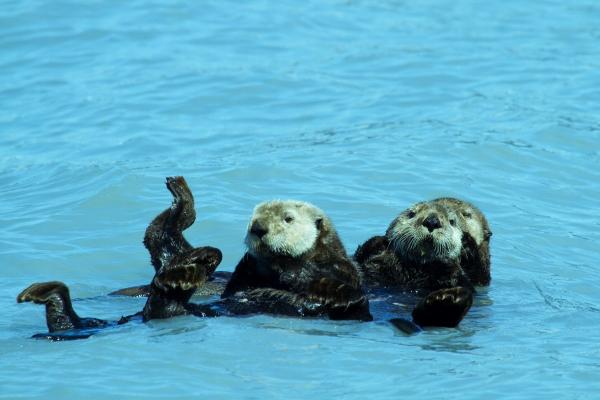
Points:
point(60, 315)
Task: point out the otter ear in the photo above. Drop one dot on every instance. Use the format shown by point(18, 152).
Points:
point(319, 223)
point(487, 234)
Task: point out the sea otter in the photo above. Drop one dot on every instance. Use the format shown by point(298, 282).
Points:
point(440, 247)
point(296, 264)
point(180, 269)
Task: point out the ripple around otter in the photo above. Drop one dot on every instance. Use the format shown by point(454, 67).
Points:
point(359, 107)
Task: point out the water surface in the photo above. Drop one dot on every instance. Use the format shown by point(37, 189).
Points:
point(360, 108)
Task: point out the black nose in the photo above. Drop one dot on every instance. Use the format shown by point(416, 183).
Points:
point(432, 222)
point(258, 230)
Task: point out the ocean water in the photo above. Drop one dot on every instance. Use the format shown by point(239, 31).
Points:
point(359, 107)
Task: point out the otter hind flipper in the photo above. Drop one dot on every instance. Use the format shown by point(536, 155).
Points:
point(165, 242)
point(55, 296)
point(60, 314)
point(164, 238)
point(444, 307)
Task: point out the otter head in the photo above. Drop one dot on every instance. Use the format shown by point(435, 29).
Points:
point(284, 228)
point(426, 233)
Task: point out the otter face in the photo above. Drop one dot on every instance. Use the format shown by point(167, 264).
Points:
point(284, 228)
point(425, 233)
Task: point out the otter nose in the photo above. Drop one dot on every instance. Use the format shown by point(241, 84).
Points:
point(258, 230)
point(432, 222)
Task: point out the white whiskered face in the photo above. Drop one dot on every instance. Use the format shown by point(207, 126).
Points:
point(284, 228)
point(425, 233)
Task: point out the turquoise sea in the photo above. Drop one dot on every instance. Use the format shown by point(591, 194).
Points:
point(360, 107)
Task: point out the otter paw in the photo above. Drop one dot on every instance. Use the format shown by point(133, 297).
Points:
point(41, 293)
point(445, 307)
point(371, 247)
point(183, 277)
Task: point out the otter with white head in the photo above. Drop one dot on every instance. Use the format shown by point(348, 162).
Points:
point(296, 264)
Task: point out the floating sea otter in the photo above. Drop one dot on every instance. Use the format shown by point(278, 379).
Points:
point(441, 247)
point(295, 265)
point(307, 271)
point(180, 268)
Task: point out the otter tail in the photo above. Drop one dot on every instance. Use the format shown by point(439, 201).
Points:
point(444, 307)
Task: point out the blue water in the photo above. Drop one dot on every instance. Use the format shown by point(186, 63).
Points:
point(360, 107)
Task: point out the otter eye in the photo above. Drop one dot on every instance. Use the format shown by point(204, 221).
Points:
point(453, 222)
point(467, 214)
point(410, 214)
point(289, 219)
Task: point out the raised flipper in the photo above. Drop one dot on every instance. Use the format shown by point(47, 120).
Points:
point(174, 284)
point(60, 315)
point(164, 238)
point(445, 307)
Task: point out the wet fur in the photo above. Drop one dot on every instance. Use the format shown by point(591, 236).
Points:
point(301, 263)
point(400, 259)
point(180, 269)
point(444, 264)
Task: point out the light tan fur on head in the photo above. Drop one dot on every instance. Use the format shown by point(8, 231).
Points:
point(284, 228)
point(426, 232)
point(470, 219)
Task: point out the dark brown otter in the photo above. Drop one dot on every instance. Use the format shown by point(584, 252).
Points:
point(438, 246)
point(296, 265)
point(180, 269)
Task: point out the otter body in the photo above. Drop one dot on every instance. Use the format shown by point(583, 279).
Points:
point(439, 248)
point(295, 258)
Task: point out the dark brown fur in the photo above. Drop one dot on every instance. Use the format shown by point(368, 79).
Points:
point(448, 282)
point(180, 269)
point(322, 281)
